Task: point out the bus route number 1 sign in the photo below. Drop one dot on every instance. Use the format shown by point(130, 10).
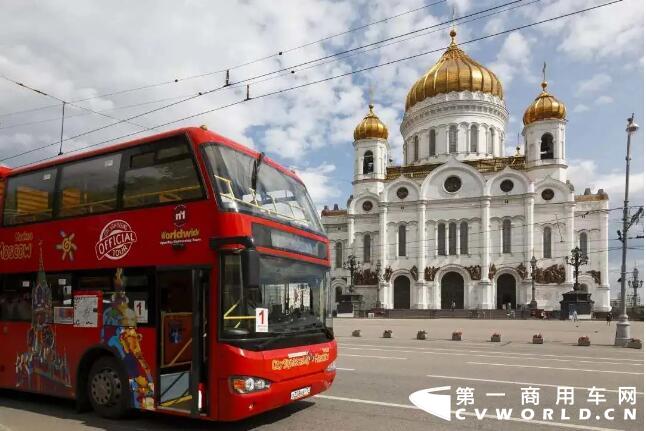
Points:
point(262, 315)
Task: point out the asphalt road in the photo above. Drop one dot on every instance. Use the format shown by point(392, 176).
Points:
point(377, 375)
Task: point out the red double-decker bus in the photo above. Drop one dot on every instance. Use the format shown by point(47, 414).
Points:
point(181, 273)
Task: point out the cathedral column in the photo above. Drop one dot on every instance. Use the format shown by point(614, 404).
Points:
point(604, 295)
point(569, 239)
point(422, 294)
point(457, 238)
point(529, 232)
point(383, 256)
point(351, 244)
point(485, 284)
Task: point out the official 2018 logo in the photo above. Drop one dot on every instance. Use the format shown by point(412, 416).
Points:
point(115, 240)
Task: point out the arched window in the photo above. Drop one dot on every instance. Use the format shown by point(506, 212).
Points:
point(547, 242)
point(402, 240)
point(464, 238)
point(441, 239)
point(474, 139)
point(547, 146)
point(431, 143)
point(490, 136)
point(368, 163)
point(338, 255)
point(366, 247)
point(453, 238)
point(583, 243)
point(506, 236)
point(416, 149)
point(453, 139)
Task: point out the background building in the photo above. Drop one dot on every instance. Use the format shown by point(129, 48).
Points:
point(457, 224)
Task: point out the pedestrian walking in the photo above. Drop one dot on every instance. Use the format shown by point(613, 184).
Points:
point(453, 306)
point(609, 318)
point(575, 317)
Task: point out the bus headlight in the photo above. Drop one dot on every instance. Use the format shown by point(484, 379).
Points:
point(331, 367)
point(246, 384)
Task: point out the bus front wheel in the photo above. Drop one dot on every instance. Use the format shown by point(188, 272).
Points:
point(108, 388)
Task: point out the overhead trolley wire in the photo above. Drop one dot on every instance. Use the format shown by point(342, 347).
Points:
point(238, 66)
point(285, 90)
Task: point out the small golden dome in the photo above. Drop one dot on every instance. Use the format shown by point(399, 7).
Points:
point(544, 107)
point(371, 127)
point(455, 71)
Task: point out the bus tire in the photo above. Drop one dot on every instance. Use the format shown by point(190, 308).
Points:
point(107, 388)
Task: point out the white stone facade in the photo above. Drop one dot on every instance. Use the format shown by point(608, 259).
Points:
point(491, 232)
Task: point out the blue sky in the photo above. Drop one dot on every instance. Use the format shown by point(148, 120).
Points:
point(86, 49)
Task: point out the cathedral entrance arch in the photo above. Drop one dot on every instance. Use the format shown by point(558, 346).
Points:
point(452, 290)
point(505, 291)
point(401, 292)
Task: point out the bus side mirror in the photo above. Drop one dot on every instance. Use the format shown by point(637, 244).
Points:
point(250, 268)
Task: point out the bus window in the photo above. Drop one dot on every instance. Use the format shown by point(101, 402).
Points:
point(161, 173)
point(61, 287)
point(89, 186)
point(30, 197)
point(15, 297)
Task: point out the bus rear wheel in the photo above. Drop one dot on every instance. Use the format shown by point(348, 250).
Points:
point(108, 389)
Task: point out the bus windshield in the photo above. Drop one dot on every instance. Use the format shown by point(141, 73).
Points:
point(276, 195)
point(292, 293)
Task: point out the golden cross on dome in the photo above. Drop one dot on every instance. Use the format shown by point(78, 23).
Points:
point(544, 84)
point(371, 95)
point(453, 32)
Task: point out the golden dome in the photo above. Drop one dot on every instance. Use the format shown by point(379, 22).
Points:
point(544, 107)
point(371, 127)
point(455, 71)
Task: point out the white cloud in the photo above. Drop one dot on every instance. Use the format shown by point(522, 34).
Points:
point(604, 100)
point(581, 108)
point(587, 173)
point(514, 58)
point(320, 183)
point(594, 84)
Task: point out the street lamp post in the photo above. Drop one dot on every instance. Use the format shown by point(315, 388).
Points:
point(623, 326)
point(635, 284)
point(533, 305)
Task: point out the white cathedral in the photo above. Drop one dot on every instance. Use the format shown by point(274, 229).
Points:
point(457, 224)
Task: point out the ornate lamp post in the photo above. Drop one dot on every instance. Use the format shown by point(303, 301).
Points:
point(623, 326)
point(577, 259)
point(533, 305)
point(635, 284)
point(352, 265)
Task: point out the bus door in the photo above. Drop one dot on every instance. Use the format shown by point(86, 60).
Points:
point(183, 306)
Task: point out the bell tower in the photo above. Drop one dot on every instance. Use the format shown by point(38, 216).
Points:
point(371, 152)
point(544, 134)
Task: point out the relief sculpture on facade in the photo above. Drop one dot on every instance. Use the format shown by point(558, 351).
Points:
point(551, 274)
point(414, 273)
point(365, 277)
point(492, 271)
point(522, 271)
point(429, 273)
point(474, 271)
point(596, 275)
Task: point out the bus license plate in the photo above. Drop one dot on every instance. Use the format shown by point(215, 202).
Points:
point(300, 393)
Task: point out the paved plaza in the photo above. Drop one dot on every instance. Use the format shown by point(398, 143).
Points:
point(377, 375)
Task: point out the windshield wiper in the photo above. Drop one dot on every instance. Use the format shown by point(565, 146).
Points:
point(254, 172)
point(278, 336)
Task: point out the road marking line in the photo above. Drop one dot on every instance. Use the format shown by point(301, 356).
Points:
point(345, 369)
point(547, 385)
point(555, 368)
point(493, 356)
point(368, 356)
point(472, 414)
point(502, 353)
